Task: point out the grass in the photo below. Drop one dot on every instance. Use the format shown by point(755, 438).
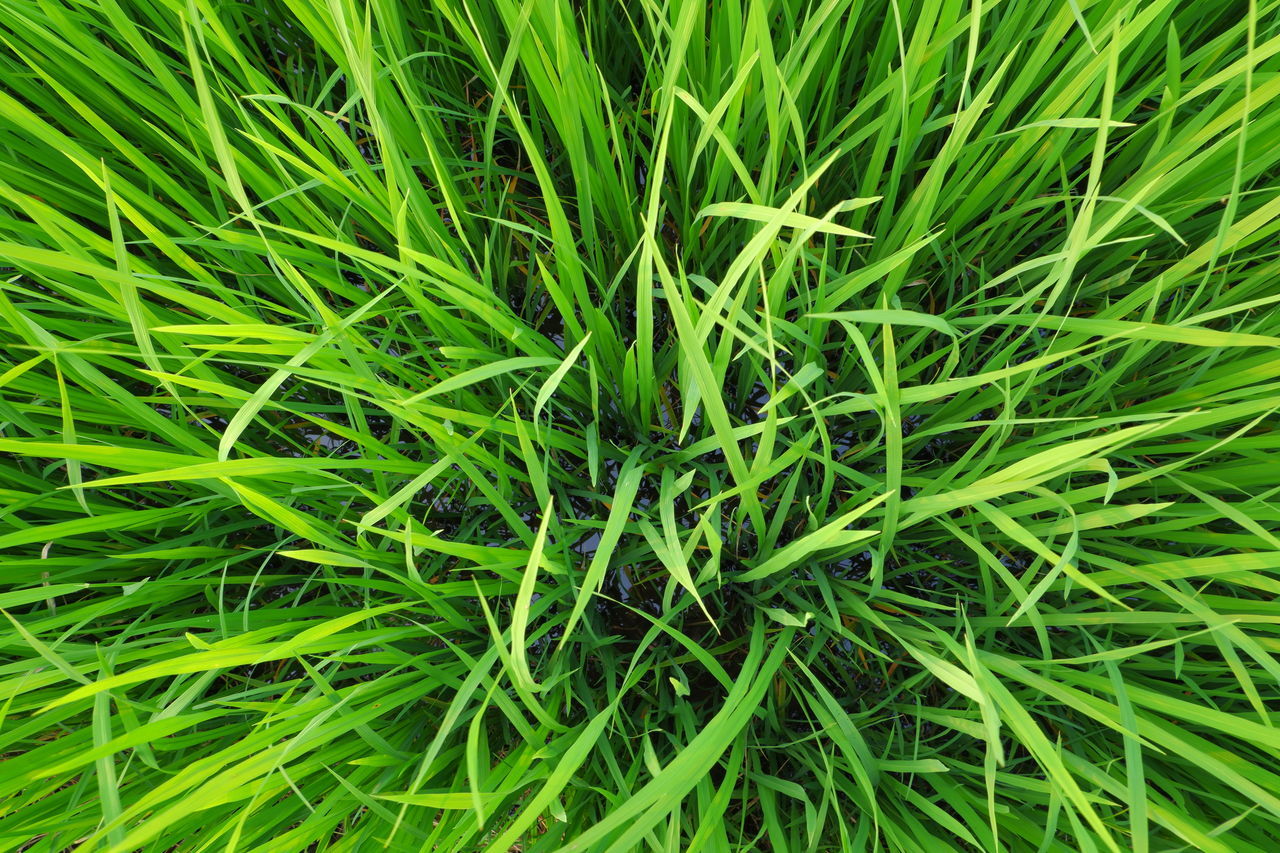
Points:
point(595, 426)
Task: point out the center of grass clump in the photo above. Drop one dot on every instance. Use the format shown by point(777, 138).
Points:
point(676, 592)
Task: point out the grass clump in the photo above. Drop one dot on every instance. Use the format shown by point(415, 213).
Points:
point(791, 426)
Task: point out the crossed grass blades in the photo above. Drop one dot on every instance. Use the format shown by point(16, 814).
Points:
point(496, 425)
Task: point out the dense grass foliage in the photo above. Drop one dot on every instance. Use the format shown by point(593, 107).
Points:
point(792, 425)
